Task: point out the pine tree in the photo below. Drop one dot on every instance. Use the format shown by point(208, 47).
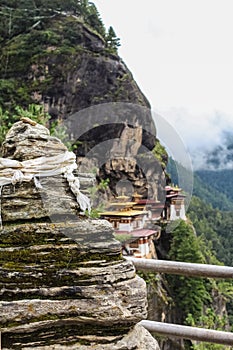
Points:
point(190, 294)
point(93, 18)
point(113, 42)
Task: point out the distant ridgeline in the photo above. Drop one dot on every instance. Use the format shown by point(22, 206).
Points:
point(212, 187)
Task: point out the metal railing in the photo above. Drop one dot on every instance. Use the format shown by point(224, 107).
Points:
point(182, 268)
point(185, 269)
point(187, 332)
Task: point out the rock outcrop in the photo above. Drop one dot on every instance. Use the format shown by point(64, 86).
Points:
point(63, 281)
point(118, 139)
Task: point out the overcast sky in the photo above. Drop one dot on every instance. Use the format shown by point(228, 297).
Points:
point(181, 55)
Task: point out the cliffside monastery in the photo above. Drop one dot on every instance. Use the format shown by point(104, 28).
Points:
point(136, 222)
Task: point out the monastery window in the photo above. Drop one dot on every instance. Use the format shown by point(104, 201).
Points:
point(125, 221)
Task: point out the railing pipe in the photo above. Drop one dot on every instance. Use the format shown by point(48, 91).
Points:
point(182, 268)
point(186, 332)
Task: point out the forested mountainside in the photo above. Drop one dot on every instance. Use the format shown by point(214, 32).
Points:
point(216, 228)
point(219, 183)
point(210, 212)
point(184, 300)
point(57, 58)
point(212, 194)
point(210, 209)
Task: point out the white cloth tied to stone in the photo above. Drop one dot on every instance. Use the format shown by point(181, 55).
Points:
point(13, 171)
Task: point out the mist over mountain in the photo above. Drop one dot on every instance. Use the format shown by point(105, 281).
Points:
point(218, 158)
point(208, 137)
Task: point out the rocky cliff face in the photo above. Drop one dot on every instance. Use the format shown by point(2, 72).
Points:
point(64, 284)
point(66, 66)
